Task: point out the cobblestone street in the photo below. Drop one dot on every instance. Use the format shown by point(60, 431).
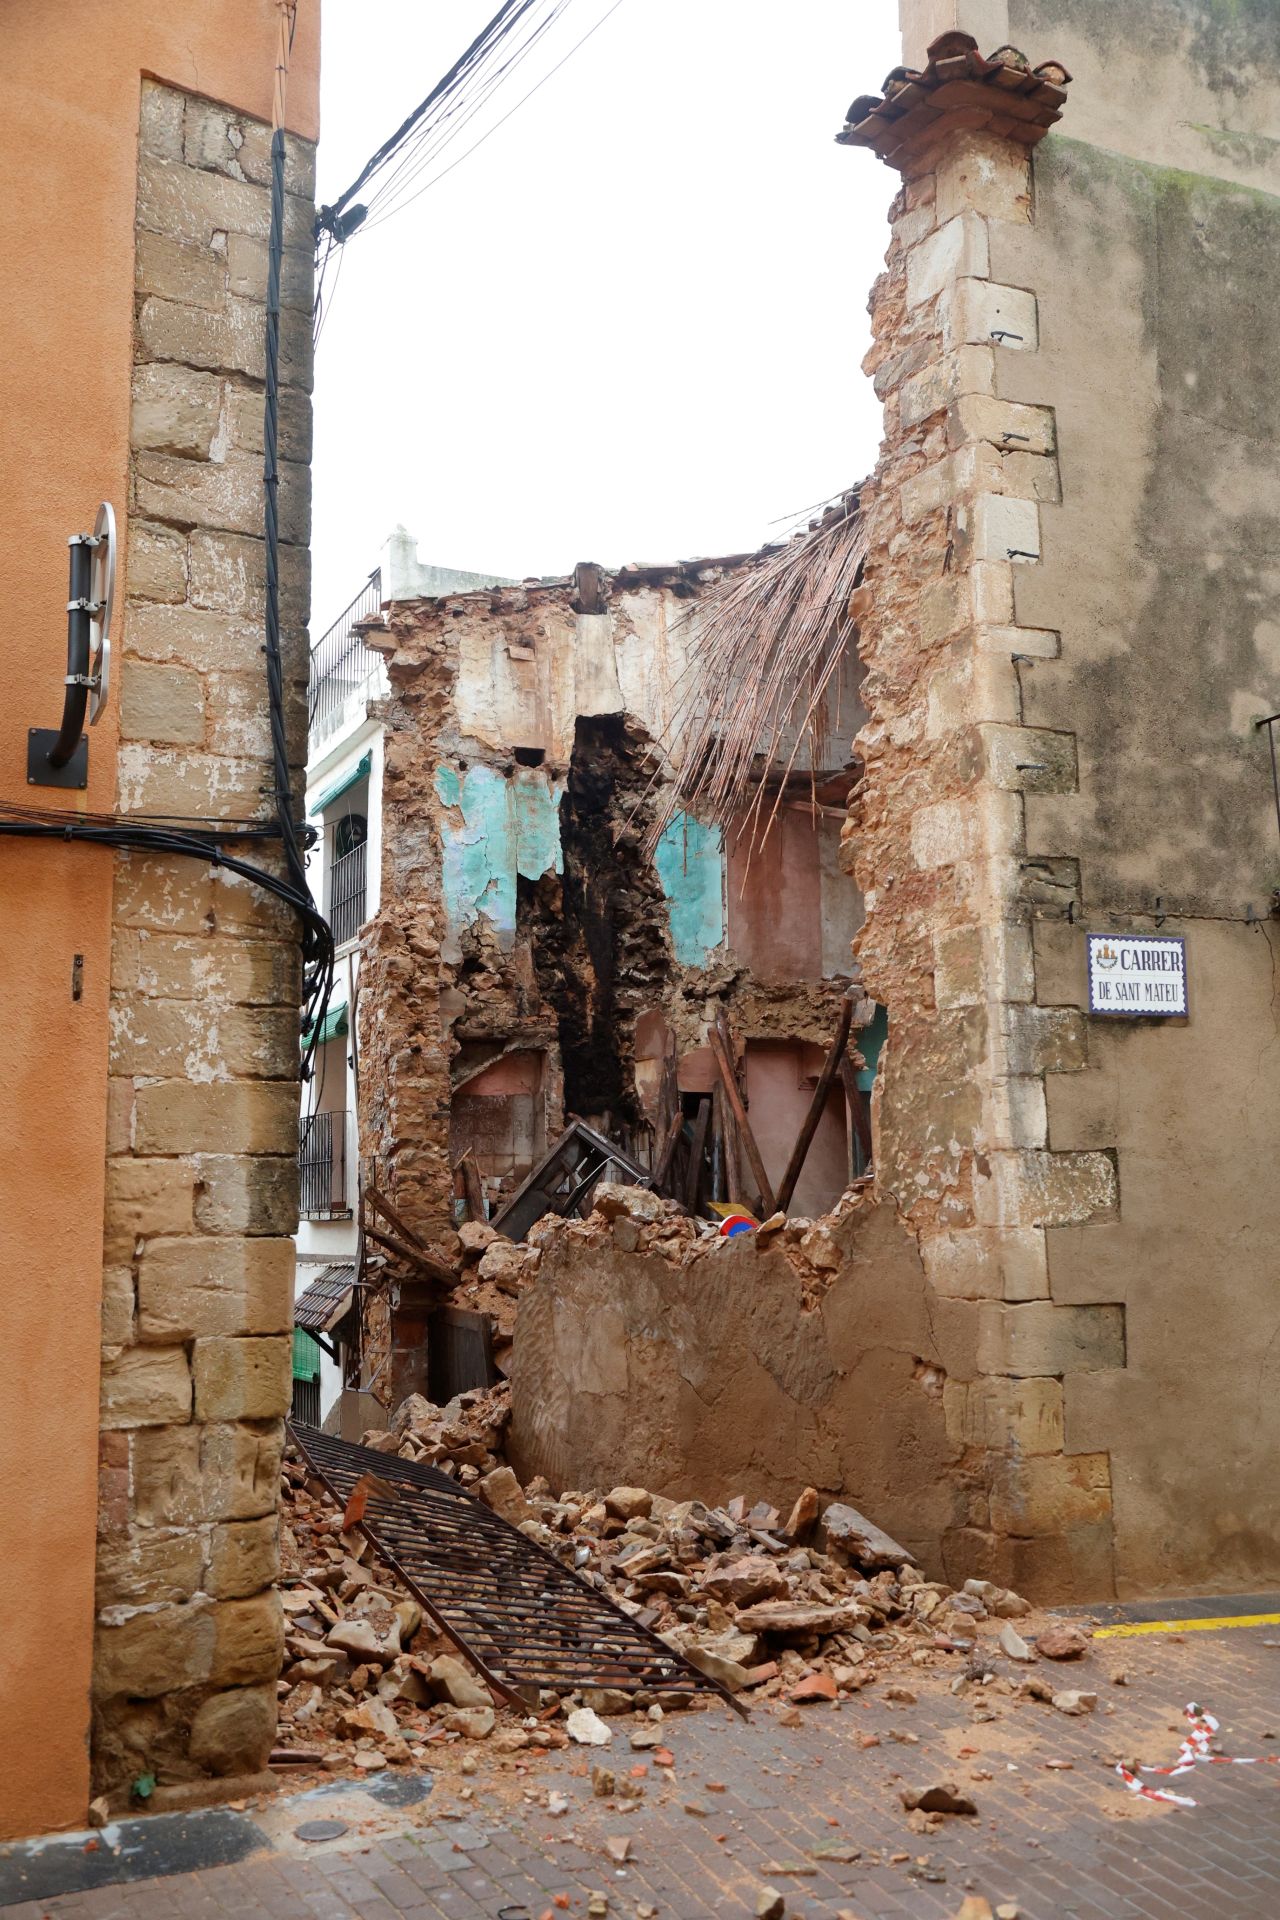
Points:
point(811, 1810)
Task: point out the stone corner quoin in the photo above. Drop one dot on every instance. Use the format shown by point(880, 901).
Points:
point(954, 512)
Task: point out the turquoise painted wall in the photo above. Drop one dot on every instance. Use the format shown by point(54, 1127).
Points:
point(690, 863)
point(509, 826)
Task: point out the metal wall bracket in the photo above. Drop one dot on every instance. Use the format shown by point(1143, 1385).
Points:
point(40, 744)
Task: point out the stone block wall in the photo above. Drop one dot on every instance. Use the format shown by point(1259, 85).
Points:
point(937, 840)
point(201, 1169)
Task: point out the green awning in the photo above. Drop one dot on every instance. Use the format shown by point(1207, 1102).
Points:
point(333, 1026)
point(359, 772)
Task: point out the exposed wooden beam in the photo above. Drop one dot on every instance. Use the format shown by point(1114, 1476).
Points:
point(729, 1080)
point(826, 1078)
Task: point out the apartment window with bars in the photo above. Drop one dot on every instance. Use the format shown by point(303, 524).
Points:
point(322, 1166)
point(347, 877)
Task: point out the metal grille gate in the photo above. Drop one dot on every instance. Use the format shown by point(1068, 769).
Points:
point(523, 1620)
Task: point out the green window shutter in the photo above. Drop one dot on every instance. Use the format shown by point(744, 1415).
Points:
point(306, 1355)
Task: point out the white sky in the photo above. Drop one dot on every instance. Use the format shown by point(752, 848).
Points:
point(629, 326)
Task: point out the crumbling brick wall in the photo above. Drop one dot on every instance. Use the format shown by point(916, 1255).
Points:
point(201, 1169)
point(521, 903)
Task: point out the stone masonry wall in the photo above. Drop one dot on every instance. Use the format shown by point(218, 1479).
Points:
point(937, 840)
point(201, 1169)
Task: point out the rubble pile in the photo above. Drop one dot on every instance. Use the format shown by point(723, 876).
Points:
point(804, 1607)
point(463, 1439)
point(367, 1682)
point(795, 1608)
point(633, 1219)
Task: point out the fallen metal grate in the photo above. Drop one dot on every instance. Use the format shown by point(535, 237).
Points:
point(522, 1619)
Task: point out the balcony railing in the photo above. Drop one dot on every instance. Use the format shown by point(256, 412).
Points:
point(347, 894)
point(342, 667)
point(322, 1165)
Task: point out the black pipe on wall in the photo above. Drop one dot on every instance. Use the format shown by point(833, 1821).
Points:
point(76, 698)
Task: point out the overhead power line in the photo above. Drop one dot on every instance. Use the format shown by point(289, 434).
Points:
point(334, 218)
point(393, 175)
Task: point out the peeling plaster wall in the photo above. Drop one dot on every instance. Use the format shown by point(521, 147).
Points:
point(498, 828)
point(690, 862)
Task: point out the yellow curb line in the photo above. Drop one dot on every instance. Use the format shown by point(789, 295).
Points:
point(1134, 1627)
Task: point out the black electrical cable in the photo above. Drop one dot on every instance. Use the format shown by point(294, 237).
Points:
point(329, 217)
point(143, 836)
point(403, 200)
point(317, 936)
point(456, 113)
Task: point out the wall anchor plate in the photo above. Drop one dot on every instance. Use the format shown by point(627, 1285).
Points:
point(40, 742)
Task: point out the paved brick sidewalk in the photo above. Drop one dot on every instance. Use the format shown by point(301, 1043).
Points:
point(1062, 1845)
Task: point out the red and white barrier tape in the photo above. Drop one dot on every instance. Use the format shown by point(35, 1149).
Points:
point(1194, 1750)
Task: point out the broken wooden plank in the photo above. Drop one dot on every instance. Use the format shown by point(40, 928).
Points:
point(435, 1269)
point(563, 1176)
point(724, 1064)
point(830, 1066)
point(472, 1186)
point(732, 1152)
point(662, 1171)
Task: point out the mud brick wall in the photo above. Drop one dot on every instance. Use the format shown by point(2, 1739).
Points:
point(938, 842)
point(201, 1170)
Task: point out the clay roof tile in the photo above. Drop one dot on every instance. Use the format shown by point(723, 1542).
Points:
point(948, 44)
point(957, 89)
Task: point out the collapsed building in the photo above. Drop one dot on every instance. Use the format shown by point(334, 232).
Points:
point(556, 938)
point(1064, 658)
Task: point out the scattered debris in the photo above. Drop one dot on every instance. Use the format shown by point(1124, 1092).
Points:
point(944, 1797)
point(847, 1533)
point(1061, 1642)
point(814, 1686)
point(588, 1729)
point(1075, 1702)
point(1012, 1643)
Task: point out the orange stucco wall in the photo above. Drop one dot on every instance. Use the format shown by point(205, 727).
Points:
point(69, 99)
